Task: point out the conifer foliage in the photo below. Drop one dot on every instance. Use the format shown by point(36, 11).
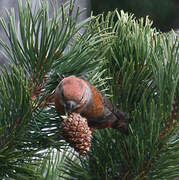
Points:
point(126, 58)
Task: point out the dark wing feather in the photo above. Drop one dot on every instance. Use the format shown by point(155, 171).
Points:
point(122, 121)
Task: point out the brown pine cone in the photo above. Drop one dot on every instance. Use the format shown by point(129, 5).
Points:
point(77, 133)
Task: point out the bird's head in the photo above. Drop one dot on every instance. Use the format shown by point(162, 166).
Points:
point(74, 93)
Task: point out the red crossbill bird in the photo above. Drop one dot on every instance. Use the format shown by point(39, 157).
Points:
point(75, 94)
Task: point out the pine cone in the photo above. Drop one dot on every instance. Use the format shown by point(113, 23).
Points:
point(77, 133)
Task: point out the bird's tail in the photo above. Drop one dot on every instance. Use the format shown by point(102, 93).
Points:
point(122, 126)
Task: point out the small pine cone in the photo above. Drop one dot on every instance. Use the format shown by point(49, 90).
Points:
point(77, 133)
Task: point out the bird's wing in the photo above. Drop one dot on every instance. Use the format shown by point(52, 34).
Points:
point(122, 121)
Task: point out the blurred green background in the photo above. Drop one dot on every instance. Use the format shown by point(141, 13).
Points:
point(164, 13)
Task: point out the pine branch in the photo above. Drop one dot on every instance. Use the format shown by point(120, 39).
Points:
point(15, 113)
point(144, 64)
point(43, 47)
point(125, 57)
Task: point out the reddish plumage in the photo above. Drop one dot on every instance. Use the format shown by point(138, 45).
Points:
point(74, 94)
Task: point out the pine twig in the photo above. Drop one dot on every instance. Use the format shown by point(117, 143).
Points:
point(8, 132)
point(37, 90)
point(169, 124)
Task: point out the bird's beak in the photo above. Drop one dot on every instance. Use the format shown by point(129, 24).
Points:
point(70, 105)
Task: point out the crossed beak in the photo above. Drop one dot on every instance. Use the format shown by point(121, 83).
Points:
point(70, 105)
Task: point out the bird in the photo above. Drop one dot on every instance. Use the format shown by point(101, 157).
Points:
point(75, 94)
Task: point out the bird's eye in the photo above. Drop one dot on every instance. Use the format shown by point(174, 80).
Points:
point(83, 96)
point(81, 99)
